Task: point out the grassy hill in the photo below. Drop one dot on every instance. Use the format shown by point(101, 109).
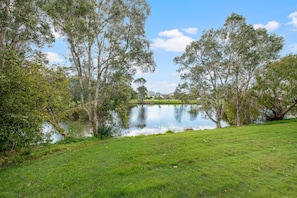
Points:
point(251, 161)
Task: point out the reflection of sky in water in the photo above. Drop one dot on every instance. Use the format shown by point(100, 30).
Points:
point(155, 119)
point(152, 119)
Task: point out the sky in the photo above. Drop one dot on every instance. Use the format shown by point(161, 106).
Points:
point(174, 24)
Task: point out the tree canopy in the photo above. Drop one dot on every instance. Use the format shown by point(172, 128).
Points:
point(223, 63)
point(107, 43)
point(276, 88)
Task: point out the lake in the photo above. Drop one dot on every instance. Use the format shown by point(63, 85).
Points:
point(156, 119)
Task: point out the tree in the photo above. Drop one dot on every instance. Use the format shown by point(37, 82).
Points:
point(107, 43)
point(23, 25)
point(246, 52)
point(224, 63)
point(204, 71)
point(142, 90)
point(56, 92)
point(276, 88)
point(30, 94)
point(183, 93)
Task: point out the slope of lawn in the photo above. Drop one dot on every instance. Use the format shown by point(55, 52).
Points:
point(251, 161)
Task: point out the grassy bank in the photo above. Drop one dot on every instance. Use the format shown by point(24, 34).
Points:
point(252, 161)
point(162, 101)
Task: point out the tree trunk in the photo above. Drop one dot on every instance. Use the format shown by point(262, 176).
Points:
point(238, 117)
point(58, 128)
point(218, 124)
point(95, 124)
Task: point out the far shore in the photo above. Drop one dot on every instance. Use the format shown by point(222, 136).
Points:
point(162, 101)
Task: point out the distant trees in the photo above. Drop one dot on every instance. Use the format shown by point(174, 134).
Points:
point(223, 64)
point(107, 44)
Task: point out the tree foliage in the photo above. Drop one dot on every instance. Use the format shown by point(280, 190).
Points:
point(204, 71)
point(247, 52)
point(20, 118)
point(107, 43)
point(23, 25)
point(276, 88)
point(221, 66)
point(30, 94)
point(141, 89)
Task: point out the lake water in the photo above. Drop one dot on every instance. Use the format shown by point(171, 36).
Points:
point(156, 119)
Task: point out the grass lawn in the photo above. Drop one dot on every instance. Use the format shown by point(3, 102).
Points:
point(251, 161)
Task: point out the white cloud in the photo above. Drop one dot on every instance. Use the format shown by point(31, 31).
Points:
point(175, 33)
point(190, 30)
point(53, 57)
point(172, 41)
point(293, 17)
point(162, 87)
point(270, 26)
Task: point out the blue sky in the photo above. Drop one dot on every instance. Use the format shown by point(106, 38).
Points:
point(173, 24)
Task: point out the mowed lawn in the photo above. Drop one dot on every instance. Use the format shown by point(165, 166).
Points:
point(250, 161)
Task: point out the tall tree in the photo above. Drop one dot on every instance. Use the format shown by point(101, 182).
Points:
point(107, 43)
point(246, 52)
point(203, 70)
point(276, 88)
point(224, 63)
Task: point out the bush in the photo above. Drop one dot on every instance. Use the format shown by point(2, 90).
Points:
point(105, 132)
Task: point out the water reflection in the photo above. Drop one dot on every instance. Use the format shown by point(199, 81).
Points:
point(141, 117)
point(155, 119)
point(178, 113)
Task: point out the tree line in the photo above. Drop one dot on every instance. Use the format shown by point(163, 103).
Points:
point(237, 74)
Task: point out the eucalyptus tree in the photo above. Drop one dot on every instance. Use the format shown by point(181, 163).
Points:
point(222, 65)
point(276, 88)
point(23, 25)
point(107, 43)
point(203, 70)
point(247, 51)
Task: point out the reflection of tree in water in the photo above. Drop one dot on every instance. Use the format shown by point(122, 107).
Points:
point(178, 112)
point(194, 111)
point(141, 117)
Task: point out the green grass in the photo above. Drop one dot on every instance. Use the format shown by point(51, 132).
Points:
point(251, 161)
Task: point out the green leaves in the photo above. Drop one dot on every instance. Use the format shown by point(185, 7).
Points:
point(107, 43)
point(30, 94)
point(276, 90)
point(22, 25)
point(223, 63)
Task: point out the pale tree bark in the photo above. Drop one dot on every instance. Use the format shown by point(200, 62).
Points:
point(107, 42)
